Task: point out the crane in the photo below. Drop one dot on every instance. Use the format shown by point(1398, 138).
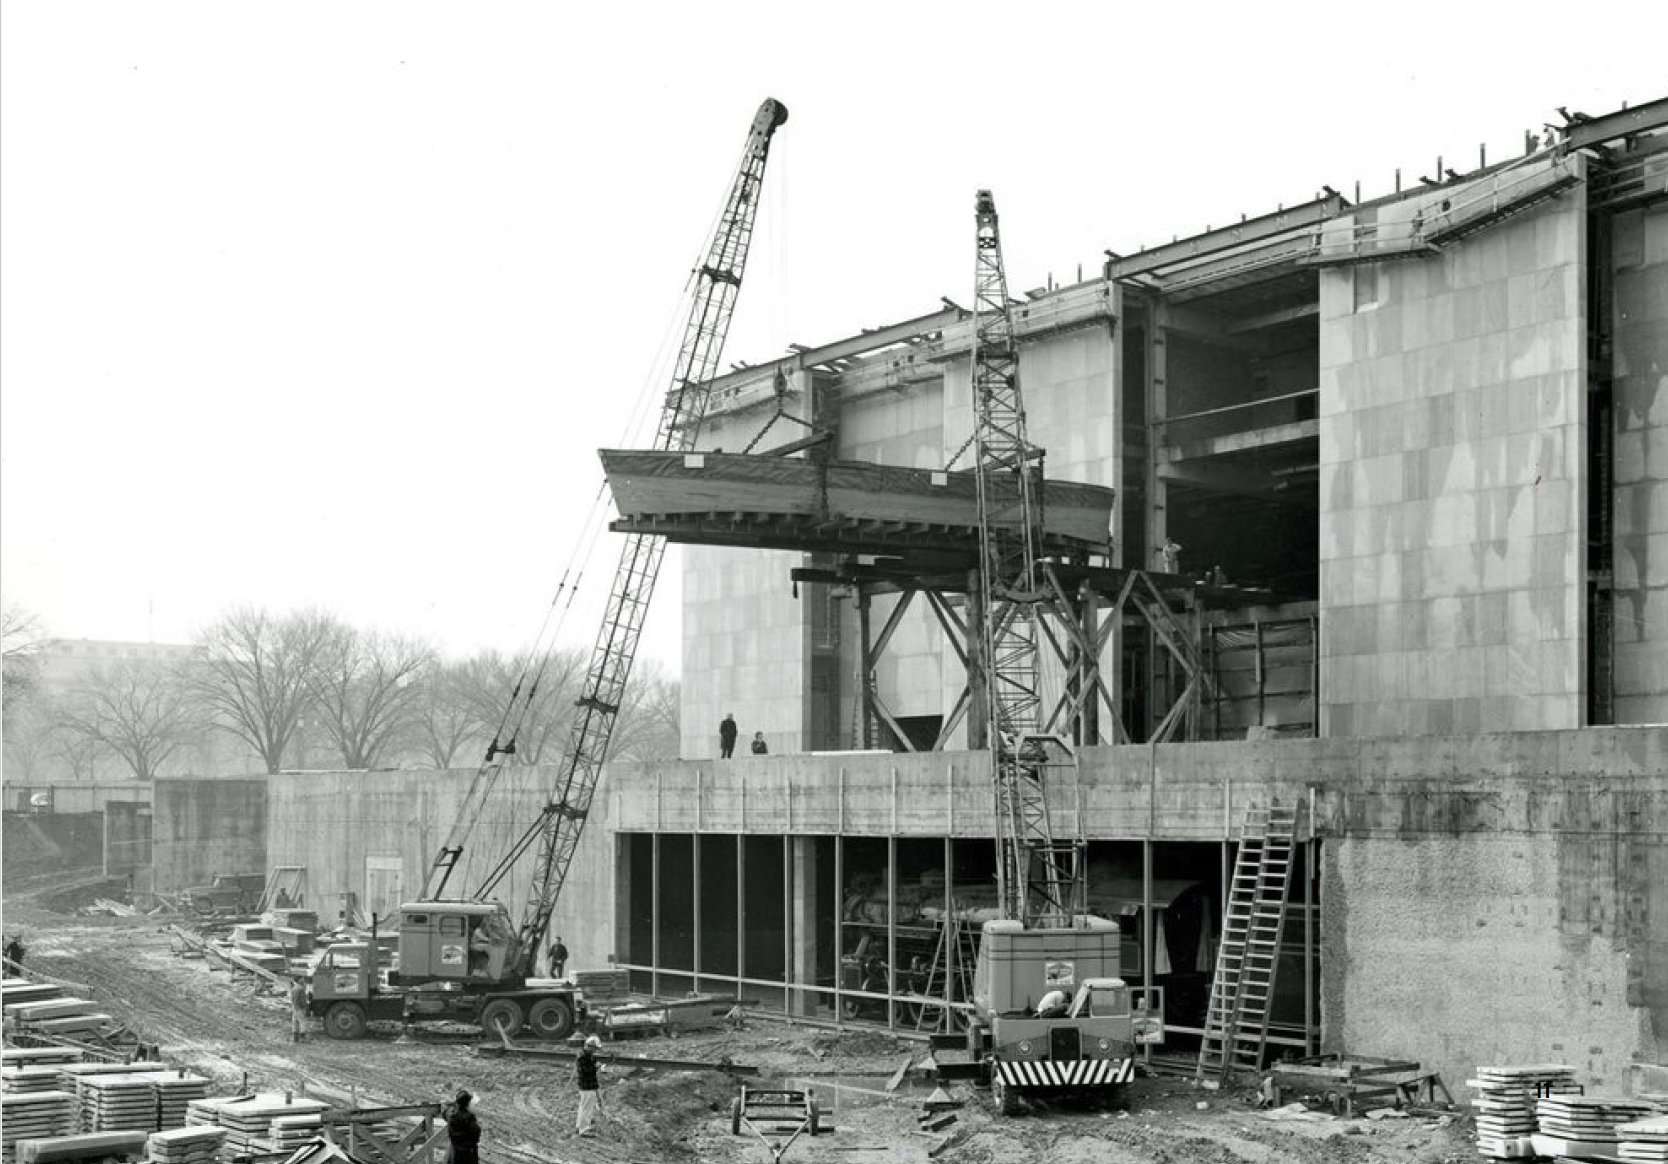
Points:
point(1038, 879)
point(462, 958)
point(1051, 1016)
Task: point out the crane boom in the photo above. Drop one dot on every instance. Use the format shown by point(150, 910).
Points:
point(717, 283)
point(1037, 877)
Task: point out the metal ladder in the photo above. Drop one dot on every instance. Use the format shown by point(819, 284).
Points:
point(957, 987)
point(1242, 990)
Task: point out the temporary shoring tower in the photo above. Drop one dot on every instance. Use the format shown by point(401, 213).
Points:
point(1038, 878)
point(556, 832)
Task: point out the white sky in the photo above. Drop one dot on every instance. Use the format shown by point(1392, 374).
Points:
point(332, 303)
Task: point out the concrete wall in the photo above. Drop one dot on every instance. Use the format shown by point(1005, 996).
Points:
point(36, 843)
point(1498, 897)
point(127, 836)
point(356, 832)
point(203, 827)
point(1452, 458)
point(1640, 392)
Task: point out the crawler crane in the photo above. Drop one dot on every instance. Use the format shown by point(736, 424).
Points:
point(462, 958)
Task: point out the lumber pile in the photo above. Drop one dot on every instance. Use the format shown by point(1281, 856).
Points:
point(36, 1056)
point(1506, 1105)
point(288, 1133)
point(611, 983)
point(26, 1080)
point(17, 991)
point(1583, 1125)
point(34, 1116)
point(137, 1099)
point(1643, 1140)
point(185, 1146)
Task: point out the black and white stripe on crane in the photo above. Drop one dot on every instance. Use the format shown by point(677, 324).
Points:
point(1076, 1073)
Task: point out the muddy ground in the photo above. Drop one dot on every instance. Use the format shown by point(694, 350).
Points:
point(239, 1036)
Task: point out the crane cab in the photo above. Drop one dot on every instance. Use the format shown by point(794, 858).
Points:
point(456, 941)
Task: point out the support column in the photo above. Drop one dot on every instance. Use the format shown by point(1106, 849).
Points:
point(891, 929)
point(1147, 932)
point(787, 925)
point(865, 693)
point(839, 887)
point(741, 914)
point(695, 918)
point(805, 886)
point(654, 915)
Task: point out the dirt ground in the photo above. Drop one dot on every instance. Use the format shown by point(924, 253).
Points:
point(239, 1037)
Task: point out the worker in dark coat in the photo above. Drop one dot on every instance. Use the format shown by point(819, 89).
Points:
point(15, 951)
point(727, 736)
point(760, 748)
point(559, 959)
point(463, 1130)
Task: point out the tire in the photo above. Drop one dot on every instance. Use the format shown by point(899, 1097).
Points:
point(1007, 1103)
point(815, 1120)
point(501, 1014)
point(345, 1020)
point(551, 1018)
point(735, 1117)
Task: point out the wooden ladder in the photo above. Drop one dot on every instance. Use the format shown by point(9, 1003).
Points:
point(1242, 990)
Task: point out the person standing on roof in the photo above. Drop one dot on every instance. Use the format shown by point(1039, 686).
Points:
point(727, 736)
point(558, 959)
point(590, 1096)
point(463, 1130)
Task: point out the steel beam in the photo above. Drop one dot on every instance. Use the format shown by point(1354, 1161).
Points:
point(1214, 241)
point(1652, 115)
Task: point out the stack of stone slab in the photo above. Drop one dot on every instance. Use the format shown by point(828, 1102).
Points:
point(185, 1146)
point(612, 983)
point(1506, 1105)
point(34, 1116)
point(1643, 1140)
point(247, 1119)
point(296, 919)
point(1583, 1125)
point(58, 1016)
point(26, 1080)
point(288, 1133)
point(151, 1100)
point(38, 1056)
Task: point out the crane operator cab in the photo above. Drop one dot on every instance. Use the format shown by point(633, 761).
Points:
point(457, 941)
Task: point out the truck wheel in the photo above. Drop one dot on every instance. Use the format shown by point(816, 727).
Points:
point(551, 1018)
point(501, 1014)
point(345, 1020)
point(735, 1117)
point(1007, 1103)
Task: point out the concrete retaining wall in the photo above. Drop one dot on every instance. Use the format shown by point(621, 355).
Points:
point(204, 827)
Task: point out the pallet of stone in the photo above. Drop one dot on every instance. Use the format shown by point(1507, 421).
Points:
point(153, 1100)
point(1575, 1125)
point(1643, 1140)
point(247, 1120)
point(17, 992)
point(290, 1132)
point(296, 942)
point(296, 919)
point(69, 1074)
point(22, 1080)
point(250, 933)
point(1506, 1105)
point(35, 1056)
point(185, 1145)
point(82, 1146)
point(611, 983)
point(50, 1008)
point(36, 1115)
point(80, 1024)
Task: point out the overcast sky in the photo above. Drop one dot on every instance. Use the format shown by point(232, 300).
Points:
point(333, 303)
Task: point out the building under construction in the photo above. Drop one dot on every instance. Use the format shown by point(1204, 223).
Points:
point(1359, 510)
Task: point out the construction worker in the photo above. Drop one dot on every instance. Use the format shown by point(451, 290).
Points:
point(463, 1130)
point(760, 748)
point(727, 736)
point(15, 950)
point(558, 958)
point(590, 1093)
point(298, 1009)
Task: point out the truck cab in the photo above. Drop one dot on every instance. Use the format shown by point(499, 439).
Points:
point(466, 942)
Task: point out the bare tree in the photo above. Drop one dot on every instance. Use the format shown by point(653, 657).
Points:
point(529, 704)
point(445, 717)
point(366, 690)
point(647, 727)
point(20, 640)
point(256, 675)
point(142, 713)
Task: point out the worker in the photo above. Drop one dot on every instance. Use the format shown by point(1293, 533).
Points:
point(298, 1009)
point(1053, 1004)
point(480, 950)
point(727, 736)
point(558, 959)
point(759, 748)
point(463, 1130)
point(590, 1094)
point(1170, 552)
point(15, 950)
